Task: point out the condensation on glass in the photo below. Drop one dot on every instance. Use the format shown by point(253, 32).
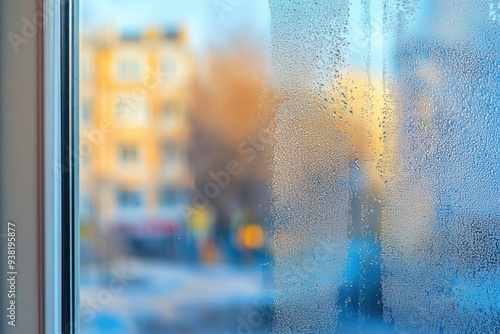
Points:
point(385, 172)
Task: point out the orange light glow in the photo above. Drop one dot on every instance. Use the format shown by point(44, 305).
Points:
point(251, 236)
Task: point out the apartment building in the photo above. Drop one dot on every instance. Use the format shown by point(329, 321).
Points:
point(136, 91)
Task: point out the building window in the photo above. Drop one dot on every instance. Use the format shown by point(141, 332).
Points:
point(132, 112)
point(129, 199)
point(172, 33)
point(170, 152)
point(170, 198)
point(128, 68)
point(168, 66)
point(169, 113)
point(129, 155)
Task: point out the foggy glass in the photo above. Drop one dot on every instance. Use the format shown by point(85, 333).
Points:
point(386, 181)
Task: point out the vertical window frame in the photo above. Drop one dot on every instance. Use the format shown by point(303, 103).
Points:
point(69, 88)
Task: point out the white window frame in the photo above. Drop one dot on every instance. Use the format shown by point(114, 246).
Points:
point(38, 99)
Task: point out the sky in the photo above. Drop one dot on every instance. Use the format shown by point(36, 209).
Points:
point(206, 20)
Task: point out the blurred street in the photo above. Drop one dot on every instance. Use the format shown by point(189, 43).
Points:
point(161, 297)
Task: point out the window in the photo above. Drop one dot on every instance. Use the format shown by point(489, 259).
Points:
point(173, 117)
point(129, 155)
point(129, 200)
point(168, 198)
point(169, 113)
point(131, 112)
point(343, 173)
point(172, 198)
point(168, 66)
point(128, 68)
point(170, 153)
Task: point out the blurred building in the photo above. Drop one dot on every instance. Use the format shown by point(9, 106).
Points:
point(135, 96)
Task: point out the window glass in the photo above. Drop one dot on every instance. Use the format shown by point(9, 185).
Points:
point(170, 153)
point(168, 66)
point(129, 155)
point(171, 114)
point(132, 111)
point(176, 90)
point(384, 117)
point(167, 112)
point(170, 198)
point(128, 68)
point(128, 199)
point(307, 166)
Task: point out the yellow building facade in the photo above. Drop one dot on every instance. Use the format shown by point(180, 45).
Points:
point(135, 95)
